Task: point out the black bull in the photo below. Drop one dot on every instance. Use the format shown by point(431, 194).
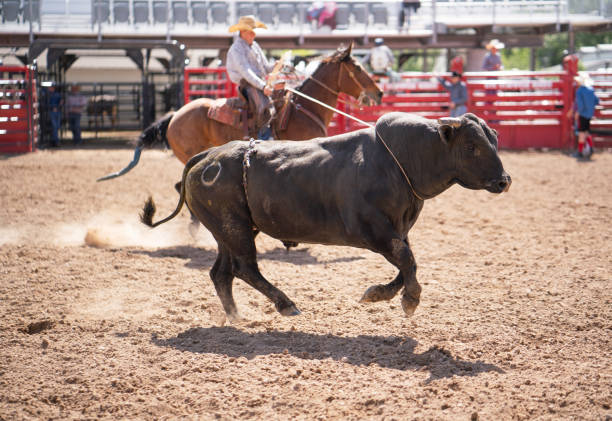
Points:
point(343, 190)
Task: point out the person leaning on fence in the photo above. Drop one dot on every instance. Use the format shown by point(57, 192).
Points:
point(586, 101)
point(247, 63)
point(54, 108)
point(75, 104)
point(458, 94)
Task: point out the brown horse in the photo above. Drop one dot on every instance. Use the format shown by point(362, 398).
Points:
point(189, 131)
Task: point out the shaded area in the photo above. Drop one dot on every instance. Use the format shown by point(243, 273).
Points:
point(385, 351)
point(201, 257)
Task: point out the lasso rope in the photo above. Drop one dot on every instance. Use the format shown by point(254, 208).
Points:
point(378, 135)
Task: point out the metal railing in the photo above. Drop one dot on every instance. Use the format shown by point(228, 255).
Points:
point(283, 16)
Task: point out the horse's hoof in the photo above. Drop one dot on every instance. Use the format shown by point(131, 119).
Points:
point(292, 310)
point(409, 305)
point(374, 294)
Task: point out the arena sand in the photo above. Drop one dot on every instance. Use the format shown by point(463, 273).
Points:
point(103, 318)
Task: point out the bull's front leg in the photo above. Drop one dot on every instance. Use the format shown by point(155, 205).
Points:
point(398, 253)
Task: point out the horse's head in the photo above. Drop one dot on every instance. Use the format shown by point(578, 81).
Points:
point(354, 80)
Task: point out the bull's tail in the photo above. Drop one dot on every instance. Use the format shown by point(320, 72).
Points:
point(148, 210)
point(152, 135)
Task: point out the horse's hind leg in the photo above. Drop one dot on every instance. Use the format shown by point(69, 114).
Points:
point(194, 226)
point(222, 277)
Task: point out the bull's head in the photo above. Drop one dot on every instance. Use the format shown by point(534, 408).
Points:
point(473, 147)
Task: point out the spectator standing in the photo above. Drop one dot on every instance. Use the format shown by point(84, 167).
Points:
point(54, 107)
point(407, 8)
point(380, 58)
point(458, 94)
point(248, 67)
point(586, 101)
point(75, 104)
point(492, 62)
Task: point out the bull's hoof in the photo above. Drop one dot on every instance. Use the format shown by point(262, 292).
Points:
point(376, 293)
point(290, 244)
point(291, 310)
point(233, 318)
point(409, 305)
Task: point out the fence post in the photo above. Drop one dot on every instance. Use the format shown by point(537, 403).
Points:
point(570, 67)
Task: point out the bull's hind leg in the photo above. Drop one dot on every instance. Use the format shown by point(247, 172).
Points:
point(222, 277)
point(244, 266)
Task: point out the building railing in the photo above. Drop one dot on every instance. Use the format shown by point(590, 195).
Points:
point(133, 17)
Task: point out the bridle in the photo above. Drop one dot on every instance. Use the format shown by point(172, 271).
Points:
point(350, 73)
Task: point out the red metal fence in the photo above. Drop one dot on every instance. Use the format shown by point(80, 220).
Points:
point(528, 109)
point(207, 82)
point(18, 109)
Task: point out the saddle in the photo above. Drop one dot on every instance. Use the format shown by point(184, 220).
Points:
point(240, 113)
point(235, 112)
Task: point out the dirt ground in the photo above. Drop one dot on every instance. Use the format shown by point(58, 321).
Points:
point(103, 318)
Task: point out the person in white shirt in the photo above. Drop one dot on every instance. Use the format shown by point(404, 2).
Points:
point(246, 62)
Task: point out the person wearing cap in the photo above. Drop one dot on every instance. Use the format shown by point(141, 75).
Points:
point(585, 104)
point(380, 58)
point(458, 94)
point(248, 66)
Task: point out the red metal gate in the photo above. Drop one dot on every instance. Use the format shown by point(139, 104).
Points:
point(18, 109)
point(528, 109)
point(207, 82)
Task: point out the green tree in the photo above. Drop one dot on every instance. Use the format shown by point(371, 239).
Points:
point(552, 52)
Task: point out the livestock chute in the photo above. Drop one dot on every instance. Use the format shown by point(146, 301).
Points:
point(18, 109)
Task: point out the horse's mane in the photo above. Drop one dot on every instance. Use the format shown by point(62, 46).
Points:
point(337, 56)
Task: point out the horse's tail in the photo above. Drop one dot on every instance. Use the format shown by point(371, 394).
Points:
point(152, 135)
point(148, 210)
point(156, 133)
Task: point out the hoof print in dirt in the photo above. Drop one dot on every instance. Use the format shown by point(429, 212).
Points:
point(37, 327)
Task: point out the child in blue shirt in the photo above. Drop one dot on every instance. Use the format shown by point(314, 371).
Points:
point(586, 101)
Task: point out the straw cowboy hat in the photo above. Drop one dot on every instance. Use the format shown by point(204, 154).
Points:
point(495, 43)
point(583, 79)
point(247, 23)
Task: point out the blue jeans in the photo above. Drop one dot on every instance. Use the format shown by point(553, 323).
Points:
point(56, 119)
point(458, 111)
point(74, 120)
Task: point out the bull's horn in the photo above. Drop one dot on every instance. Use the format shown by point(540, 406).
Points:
point(450, 121)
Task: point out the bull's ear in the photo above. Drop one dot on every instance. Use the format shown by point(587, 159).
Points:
point(447, 126)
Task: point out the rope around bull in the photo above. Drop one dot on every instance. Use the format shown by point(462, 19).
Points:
point(378, 135)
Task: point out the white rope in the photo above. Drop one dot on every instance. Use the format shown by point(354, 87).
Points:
point(329, 107)
point(365, 124)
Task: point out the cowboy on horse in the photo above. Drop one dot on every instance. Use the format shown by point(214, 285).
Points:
point(248, 67)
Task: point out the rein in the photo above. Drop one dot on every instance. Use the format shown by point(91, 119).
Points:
point(313, 116)
point(378, 135)
point(337, 93)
